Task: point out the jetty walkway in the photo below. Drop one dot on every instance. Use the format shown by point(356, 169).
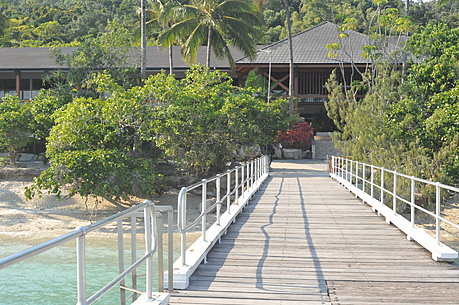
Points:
point(304, 239)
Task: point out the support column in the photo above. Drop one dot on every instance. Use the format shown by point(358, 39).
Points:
point(295, 89)
point(18, 83)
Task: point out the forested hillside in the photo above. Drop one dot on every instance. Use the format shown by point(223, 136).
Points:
point(69, 22)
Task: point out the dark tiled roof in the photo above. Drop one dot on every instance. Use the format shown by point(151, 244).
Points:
point(309, 47)
point(157, 58)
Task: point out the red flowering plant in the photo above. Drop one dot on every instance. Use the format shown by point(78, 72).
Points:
point(298, 136)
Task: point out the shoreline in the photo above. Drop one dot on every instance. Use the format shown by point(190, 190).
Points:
point(41, 219)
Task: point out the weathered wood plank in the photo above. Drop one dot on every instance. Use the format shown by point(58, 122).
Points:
point(306, 240)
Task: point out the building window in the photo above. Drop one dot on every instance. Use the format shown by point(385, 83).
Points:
point(7, 87)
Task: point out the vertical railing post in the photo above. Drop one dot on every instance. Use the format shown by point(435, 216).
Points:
point(148, 247)
point(181, 217)
point(437, 211)
point(382, 187)
point(340, 167)
point(413, 201)
point(236, 186)
point(364, 177)
point(81, 268)
point(242, 180)
point(394, 194)
point(119, 229)
point(333, 165)
point(357, 174)
point(347, 170)
point(170, 250)
point(248, 177)
point(351, 172)
point(134, 254)
point(204, 209)
point(219, 204)
point(372, 181)
point(252, 170)
point(159, 249)
point(228, 191)
point(260, 167)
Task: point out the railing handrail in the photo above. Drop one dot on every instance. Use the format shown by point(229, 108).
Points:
point(433, 183)
point(151, 241)
point(339, 166)
point(250, 171)
point(35, 250)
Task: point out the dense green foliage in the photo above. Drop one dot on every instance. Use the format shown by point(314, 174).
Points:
point(410, 121)
point(70, 22)
point(108, 145)
point(97, 146)
point(107, 52)
point(14, 126)
point(206, 118)
point(55, 22)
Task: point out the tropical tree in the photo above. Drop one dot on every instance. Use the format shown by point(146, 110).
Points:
point(14, 126)
point(215, 23)
point(154, 19)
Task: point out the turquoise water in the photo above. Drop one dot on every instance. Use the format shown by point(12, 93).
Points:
point(50, 277)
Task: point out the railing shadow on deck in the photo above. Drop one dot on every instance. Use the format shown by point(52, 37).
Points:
point(225, 251)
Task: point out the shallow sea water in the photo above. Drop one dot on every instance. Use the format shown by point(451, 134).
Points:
point(50, 277)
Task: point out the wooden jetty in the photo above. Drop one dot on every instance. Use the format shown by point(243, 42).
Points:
point(304, 239)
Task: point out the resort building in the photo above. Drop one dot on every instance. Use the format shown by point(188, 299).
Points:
point(22, 69)
point(313, 64)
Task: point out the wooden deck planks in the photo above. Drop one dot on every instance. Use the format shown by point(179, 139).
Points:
point(305, 240)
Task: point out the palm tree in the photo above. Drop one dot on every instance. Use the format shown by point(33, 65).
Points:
point(143, 40)
point(215, 23)
point(290, 51)
point(154, 16)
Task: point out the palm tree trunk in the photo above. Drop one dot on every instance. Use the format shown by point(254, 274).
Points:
point(209, 34)
point(171, 61)
point(143, 41)
point(290, 48)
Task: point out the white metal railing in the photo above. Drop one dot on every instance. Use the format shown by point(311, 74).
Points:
point(153, 230)
point(390, 191)
point(240, 181)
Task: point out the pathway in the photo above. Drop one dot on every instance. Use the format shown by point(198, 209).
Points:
point(304, 239)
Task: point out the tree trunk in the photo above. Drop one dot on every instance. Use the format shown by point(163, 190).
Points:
point(143, 41)
point(13, 154)
point(290, 48)
point(209, 34)
point(171, 61)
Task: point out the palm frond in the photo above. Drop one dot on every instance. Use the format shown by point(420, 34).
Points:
point(241, 36)
point(235, 6)
point(178, 30)
point(191, 46)
point(179, 12)
point(220, 47)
